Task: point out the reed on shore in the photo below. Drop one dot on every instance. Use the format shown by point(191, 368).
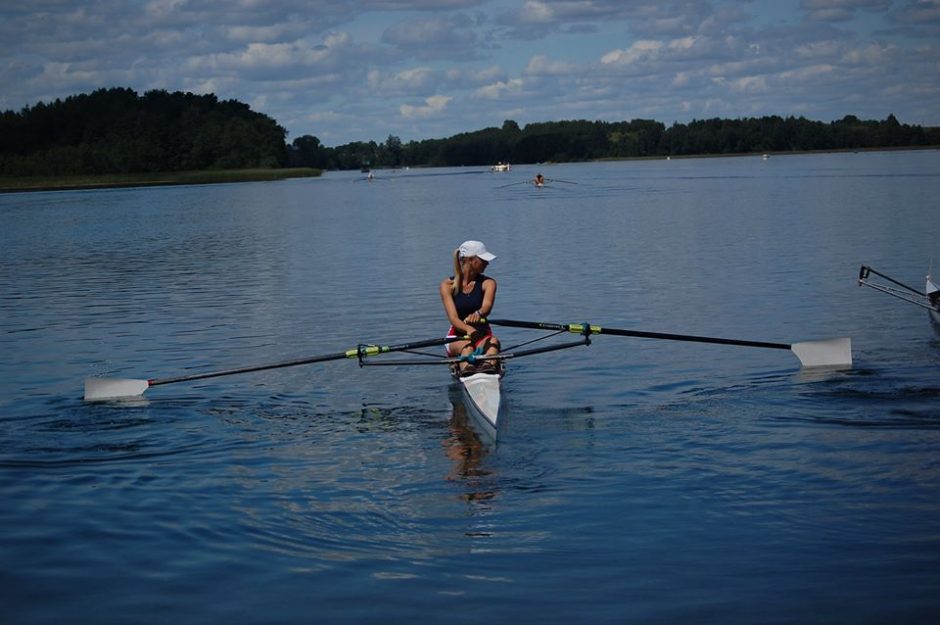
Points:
point(63, 183)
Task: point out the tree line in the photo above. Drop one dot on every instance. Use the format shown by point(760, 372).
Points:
point(117, 131)
point(582, 140)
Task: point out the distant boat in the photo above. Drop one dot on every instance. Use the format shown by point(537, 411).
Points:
point(765, 156)
point(501, 167)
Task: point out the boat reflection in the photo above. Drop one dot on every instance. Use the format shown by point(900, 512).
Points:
point(467, 450)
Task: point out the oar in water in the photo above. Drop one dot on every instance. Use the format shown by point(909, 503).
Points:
point(825, 353)
point(557, 180)
point(512, 184)
point(118, 388)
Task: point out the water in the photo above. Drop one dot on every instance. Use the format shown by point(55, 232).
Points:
point(634, 480)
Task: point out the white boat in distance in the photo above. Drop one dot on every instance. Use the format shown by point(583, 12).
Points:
point(499, 167)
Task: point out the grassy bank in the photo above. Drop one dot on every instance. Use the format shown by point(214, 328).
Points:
point(62, 183)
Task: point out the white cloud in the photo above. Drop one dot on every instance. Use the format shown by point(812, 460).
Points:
point(451, 36)
point(692, 48)
point(641, 50)
point(268, 33)
point(536, 12)
point(818, 49)
point(328, 117)
point(685, 43)
point(477, 77)
point(541, 65)
point(811, 72)
point(411, 81)
point(499, 89)
point(257, 59)
point(868, 55)
point(749, 84)
point(433, 105)
point(414, 78)
point(158, 9)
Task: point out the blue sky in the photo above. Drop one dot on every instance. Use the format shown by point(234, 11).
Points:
point(358, 71)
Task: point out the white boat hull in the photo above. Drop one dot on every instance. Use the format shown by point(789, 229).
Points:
point(481, 394)
point(933, 298)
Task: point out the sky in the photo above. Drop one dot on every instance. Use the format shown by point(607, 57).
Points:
point(365, 70)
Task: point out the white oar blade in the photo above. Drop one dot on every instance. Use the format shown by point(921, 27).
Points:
point(828, 353)
point(113, 388)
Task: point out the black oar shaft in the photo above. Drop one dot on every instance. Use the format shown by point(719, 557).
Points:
point(581, 328)
point(276, 365)
point(360, 351)
point(865, 270)
point(690, 338)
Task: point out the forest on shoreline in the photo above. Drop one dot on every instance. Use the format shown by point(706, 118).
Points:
point(118, 132)
point(580, 140)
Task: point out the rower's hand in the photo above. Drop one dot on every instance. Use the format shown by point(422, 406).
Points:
point(473, 318)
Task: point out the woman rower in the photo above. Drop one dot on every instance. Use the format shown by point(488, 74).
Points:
point(468, 297)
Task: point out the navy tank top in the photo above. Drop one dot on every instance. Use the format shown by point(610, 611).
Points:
point(469, 303)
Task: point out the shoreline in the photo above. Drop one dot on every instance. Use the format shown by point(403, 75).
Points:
point(905, 148)
point(25, 184)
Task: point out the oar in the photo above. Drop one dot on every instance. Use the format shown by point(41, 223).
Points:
point(825, 353)
point(865, 270)
point(512, 184)
point(557, 180)
point(117, 388)
point(909, 294)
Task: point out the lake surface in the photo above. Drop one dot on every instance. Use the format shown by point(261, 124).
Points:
point(634, 480)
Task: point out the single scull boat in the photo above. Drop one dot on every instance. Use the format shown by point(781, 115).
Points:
point(481, 391)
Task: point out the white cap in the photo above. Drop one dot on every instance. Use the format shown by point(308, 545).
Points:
point(475, 248)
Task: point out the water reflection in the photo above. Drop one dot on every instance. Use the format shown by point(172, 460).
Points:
point(467, 450)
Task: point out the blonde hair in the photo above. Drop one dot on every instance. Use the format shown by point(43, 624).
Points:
point(458, 274)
